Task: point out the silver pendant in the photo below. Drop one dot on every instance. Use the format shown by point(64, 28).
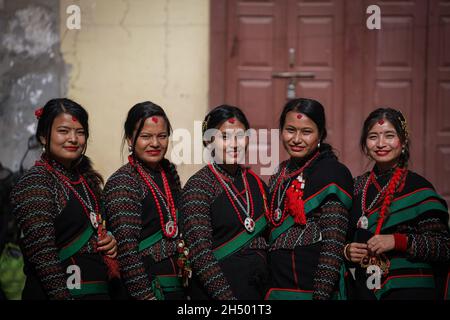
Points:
point(363, 222)
point(93, 217)
point(171, 228)
point(249, 224)
point(278, 214)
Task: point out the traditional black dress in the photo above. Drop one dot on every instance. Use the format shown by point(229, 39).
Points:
point(57, 234)
point(147, 257)
point(229, 261)
point(417, 211)
point(306, 260)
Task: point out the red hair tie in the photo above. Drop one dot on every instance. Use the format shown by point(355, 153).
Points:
point(38, 113)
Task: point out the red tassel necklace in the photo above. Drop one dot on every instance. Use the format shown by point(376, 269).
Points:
point(292, 195)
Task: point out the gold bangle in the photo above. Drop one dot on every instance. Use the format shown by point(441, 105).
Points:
point(345, 252)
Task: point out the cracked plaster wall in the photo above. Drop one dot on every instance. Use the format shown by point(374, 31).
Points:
point(130, 51)
point(31, 72)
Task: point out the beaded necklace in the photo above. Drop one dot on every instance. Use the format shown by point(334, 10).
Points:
point(277, 216)
point(169, 228)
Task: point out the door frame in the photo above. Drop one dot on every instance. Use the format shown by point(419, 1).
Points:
point(217, 52)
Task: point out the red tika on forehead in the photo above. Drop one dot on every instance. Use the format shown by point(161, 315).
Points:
point(299, 116)
point(232, 120)
point(74, 119)
point(381, 122)
point(155, 119)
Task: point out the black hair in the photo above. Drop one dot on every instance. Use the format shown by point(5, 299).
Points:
point(314, 110)
point(217, 116)
point(47, 116)
point(396, 118)
point(136, 118)
point(311, 108)
point(135, 122)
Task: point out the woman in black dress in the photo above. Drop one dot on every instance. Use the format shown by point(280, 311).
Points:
point(67, 251)
point(399, 242)
point(224, 206)
point(310, 196)
point(142, 201)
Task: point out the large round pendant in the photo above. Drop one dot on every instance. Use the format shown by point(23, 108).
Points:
point(249, 224)
point(93, 218)
point(277, 215)
point(363, 222)
point(171, 229)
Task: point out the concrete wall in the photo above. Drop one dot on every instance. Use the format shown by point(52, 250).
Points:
point(31, 72)
point(131, 51)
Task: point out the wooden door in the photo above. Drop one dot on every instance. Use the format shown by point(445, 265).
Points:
point(256, 38)
point(437, 111)
point(405, 65)
point(315, 35)
point(394, 68)
point(264, 38)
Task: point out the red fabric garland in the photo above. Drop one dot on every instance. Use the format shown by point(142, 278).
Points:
point(112, 264)
point(294, 203)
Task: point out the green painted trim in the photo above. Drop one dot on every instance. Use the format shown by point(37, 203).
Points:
point(240, 240)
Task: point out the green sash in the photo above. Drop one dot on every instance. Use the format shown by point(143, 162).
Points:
point(293, 294)
point(419, 281)
point(409, 207)
point(165, 284)
point(75, 246)
point(240, 240)
point(151, 240)
point(90, 288)
point(406, 281)
point(312, 203)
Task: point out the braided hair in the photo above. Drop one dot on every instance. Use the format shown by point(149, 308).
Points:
point(397, 182)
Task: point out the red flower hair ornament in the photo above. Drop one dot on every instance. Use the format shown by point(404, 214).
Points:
point(38, 113)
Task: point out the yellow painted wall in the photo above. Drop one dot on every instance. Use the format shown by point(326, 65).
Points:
point(131, 51)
